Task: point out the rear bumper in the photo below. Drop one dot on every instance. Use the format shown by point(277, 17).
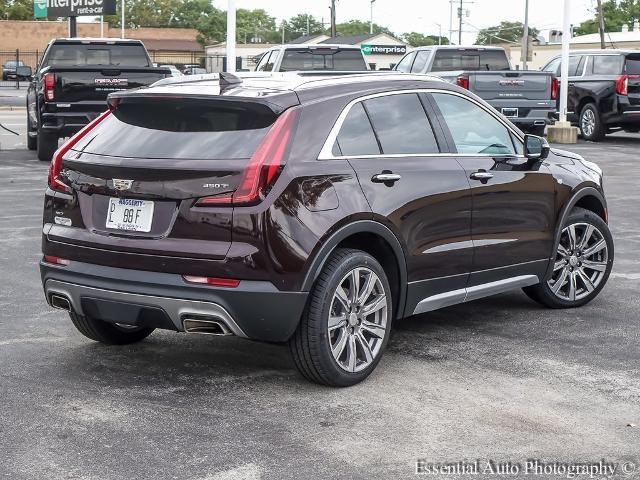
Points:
point(66, 120)
point(529, 113)
point(255, 309)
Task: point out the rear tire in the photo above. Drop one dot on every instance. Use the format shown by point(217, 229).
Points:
point(108, 333)
point(47, 145)
point(581, 266)
point(345, 326)
point(32, 141)
point(590, 123)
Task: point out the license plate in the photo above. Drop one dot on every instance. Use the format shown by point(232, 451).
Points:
point(130, 214)
point(510, 112)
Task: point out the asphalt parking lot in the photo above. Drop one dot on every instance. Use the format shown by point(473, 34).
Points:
point(498, 379)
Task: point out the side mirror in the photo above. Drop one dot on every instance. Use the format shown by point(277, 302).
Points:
point(24, 72)
point(536, 148)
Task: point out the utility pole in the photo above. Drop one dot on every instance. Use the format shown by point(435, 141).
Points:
point(73, 27)
point(333, 18)
point(371, 21)
point(122, 21)
point(601, 25)
point(450, 22)
point(282, 32)
point(460, 22)
point(231, 36)
point(307, 24)
point(525, 36)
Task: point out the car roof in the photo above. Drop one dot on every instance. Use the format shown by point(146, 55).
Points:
point(609, 51)
point(95, 40)
point(458, 47)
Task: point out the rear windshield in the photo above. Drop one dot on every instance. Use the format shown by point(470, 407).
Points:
point(180, 129)
point(449, 59)
point(632, 64)
point(321, 59)
point(81, 55)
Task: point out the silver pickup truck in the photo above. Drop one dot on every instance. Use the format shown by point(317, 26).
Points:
point(526, 98)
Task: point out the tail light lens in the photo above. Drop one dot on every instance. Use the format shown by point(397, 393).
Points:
point(213, 281)
point(56, 260)
point(264, 167)
point(463, 81)
point(49, 86)
point(554, 88)
point(56, 163)
point(622, 84)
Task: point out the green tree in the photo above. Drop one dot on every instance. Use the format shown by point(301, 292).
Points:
point(297, 26)
point(615, 13)
point(505, 32)
point(358, 27)
point(416, 39)
point(212, 28)
point(256, 26)
point(191, 12)
point(16, 9)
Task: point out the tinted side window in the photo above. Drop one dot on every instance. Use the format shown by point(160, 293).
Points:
point(607, 64)
point(356, 136)
point(263, 61)
point(553, 66)
point(401, 124)
point(405, 63)
point(573, 65)
point(473, 129)
point(420, 62)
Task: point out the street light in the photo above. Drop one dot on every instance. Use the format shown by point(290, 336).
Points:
point(371, 22)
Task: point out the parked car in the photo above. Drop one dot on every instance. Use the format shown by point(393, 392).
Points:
point(313, 210)
point(174, 70)
point(71, 84)
point(604, 91)
point(9, 70)
point(193, 70)
point(526, 98)
point(289, 58)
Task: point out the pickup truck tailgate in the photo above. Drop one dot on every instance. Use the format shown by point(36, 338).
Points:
point(74, 84)
point(504, 85)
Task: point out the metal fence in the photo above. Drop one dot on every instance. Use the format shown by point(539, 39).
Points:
point(8, 62)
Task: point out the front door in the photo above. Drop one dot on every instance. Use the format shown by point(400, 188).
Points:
point(513, 199)
point(422, 195)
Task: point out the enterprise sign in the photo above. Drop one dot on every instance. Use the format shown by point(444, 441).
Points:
point(384, 49)
point(72, 8)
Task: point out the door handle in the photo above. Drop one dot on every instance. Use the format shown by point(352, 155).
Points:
point(386, 177)
point(481, 175)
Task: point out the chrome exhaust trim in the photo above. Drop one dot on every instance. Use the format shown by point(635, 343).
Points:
point(61, 302)
point(206, 327)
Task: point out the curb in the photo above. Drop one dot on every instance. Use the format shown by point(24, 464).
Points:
point(11, 108)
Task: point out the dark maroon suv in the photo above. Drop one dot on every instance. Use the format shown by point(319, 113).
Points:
point(313, 210)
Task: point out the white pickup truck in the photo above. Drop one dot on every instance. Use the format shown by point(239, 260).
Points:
point(527, 98)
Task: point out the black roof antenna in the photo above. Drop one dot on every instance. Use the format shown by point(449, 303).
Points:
point(227, 79)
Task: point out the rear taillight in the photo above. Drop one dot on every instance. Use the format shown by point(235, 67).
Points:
point(263, 168)
point(463, 81)
point(56, 163)
point(213, 281)
point(49, 86)
point(554, 88)
point(622, 83)
point(56, 260)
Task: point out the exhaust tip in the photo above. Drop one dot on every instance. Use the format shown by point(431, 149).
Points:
point(61, 302)
point(206, 327)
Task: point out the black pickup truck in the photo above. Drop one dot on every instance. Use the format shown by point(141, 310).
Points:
point(71, 84)
point(604, 91)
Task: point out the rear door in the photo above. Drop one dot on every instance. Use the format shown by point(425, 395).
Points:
point(422, 194)
point(513, 200)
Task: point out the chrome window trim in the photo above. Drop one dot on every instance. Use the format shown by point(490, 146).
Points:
point(326, 153)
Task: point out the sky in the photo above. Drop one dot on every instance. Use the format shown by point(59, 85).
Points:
point(422, 16)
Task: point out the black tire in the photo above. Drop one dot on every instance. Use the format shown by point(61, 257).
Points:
point(599, 131)
point(310, 345)
point(108, 333)
point(47, 145)
point(32, 140)
point(543, 292)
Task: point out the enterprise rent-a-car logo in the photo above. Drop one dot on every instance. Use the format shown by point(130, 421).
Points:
point(72, 8)
point(384, 49)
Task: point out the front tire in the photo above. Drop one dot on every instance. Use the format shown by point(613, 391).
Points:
point(109, 333)
point(583, 262)
point(32, 140)
point(47, 145)
point(345, 326)
point(590, 123)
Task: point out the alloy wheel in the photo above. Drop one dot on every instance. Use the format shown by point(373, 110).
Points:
point(581, 262)
point(588, 122)
point(357, 322)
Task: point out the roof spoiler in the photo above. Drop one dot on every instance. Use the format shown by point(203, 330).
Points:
point(225, 79)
